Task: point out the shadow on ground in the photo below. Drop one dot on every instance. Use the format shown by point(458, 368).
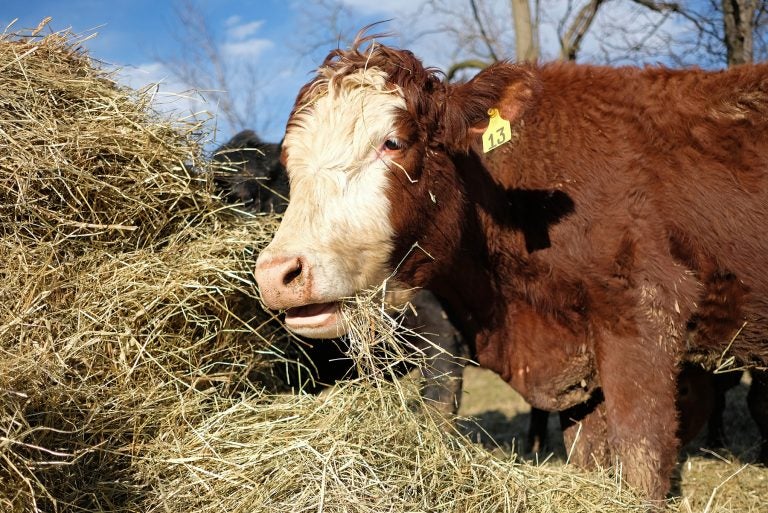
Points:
point(499, 419)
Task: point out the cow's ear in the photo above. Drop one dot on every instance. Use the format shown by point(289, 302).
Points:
point(507, 87)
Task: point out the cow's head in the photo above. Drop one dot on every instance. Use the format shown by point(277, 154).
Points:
point(375, 194)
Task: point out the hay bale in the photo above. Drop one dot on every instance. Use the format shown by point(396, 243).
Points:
point(88, 160)
point(722, 485)
point(368, 445)
point(358, 449)
point(351, 450)
point(124, 283)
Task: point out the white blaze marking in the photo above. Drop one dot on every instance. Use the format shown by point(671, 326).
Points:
point(338, 216)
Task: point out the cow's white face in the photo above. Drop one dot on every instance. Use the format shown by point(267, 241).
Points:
point(370, 152)
point(336, 236)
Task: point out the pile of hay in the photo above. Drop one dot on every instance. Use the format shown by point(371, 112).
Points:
point(360, 449)
point(137, 371)
point(123, 282)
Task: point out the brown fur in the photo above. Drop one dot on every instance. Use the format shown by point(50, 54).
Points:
point(621, 230)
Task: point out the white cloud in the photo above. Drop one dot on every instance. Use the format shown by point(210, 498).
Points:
point(232, 20)
point(169, 95)
point(249, 48)
point(243, 30)
point(392, 7)
point(145, 74)
point(239, 40)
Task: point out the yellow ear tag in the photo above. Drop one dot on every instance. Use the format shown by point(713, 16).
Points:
point(497, 133)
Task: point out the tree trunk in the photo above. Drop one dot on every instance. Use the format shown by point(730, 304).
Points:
point(525, 44)
point(738, 25)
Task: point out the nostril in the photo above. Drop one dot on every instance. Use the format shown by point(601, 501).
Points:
point(293, 274)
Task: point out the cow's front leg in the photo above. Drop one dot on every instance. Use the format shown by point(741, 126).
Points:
point(444, 352)
point(638, 378)
point(537, 440)
point(585, 433)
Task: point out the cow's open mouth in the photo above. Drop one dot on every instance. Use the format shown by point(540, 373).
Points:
point(314, 316)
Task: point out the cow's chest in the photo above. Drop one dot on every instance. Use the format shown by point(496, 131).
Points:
point(547, 363)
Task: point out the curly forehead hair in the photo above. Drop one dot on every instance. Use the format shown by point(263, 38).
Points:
point(400, 67)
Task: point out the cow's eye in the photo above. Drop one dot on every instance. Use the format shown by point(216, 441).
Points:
point(393, 145)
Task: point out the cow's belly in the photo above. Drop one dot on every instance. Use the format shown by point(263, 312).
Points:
point(549, 366)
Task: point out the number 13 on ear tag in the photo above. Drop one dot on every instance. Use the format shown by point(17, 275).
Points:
point(497, 133)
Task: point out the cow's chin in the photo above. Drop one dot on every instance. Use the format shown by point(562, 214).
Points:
point(319, 320)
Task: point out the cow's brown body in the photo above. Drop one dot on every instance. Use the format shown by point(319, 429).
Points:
point(661, 179)
point(620, 232)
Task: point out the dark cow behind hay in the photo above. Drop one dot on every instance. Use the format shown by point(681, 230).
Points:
point(250, 173)
point(612, 229)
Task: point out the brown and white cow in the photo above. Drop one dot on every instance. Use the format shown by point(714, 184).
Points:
point(619, 229)
point(250, 174)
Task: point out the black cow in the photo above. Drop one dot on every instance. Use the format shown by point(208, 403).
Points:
point(250, 173)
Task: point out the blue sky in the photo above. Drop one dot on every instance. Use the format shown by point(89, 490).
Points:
point(270, 46)
point(136, 35)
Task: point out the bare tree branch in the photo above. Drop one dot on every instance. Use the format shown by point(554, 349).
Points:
point(483, 33)
point(525, 47)
point(329, 24)
point(202, 65)
point(462, 65)
point(659, 6)
point(233, 85)
point(536, 27)
point(570, 42)
point(738, 24)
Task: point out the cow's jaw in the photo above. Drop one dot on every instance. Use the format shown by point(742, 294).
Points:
point(336, 235)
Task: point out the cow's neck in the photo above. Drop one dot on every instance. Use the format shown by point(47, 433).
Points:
point(499, 287)
point(476, 284)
